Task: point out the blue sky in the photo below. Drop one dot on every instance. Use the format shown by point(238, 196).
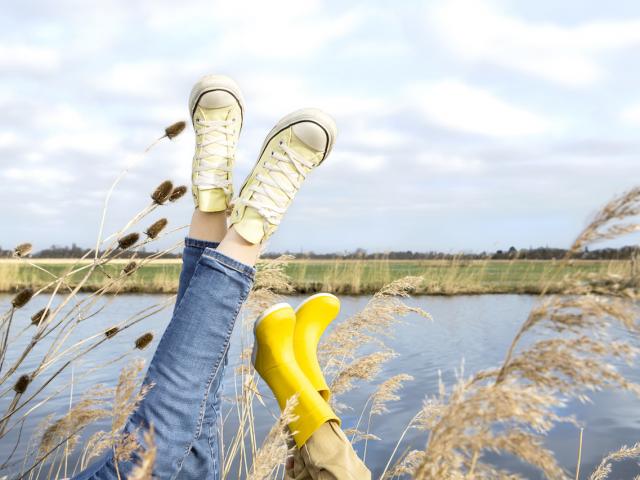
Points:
point(464, 125)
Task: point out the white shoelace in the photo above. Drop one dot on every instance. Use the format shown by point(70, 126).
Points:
point(216, 149)
point(265, 200)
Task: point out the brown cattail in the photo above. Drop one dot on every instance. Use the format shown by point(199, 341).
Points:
point(177, 193)
point(162, 192)
point(129, 268)
point(40, 316)
point(144, 340)
point(156, 227)
point(128, 240)
point(22, 298)
point(22, 383)
point(22, 250)
point(111, 332)
point(174, 130)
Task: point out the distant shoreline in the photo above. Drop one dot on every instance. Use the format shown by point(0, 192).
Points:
point(347, 277)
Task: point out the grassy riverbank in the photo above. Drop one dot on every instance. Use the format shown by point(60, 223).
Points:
point(441, 277)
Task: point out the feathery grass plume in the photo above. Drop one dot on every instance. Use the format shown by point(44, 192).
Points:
point(162, 192)
point(144, 340)
point(364, 368)
point(38, 317)
point(129, 240)
point(174, 129)
point(606, 224)
point(178, 193)
point(129, 268)
point(111, 332)
point(510, 409)
point(156, 227)
point(22, 250)
point(22, 383)
point(270, 281)
point(144, 467)
point(65, 432)
point(273, 451)
point(387, 392)
point(405, 466)
point(603, 470)
point(22, 298)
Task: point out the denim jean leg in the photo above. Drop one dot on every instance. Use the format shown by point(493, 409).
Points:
point(187, 365)
point(203, 461)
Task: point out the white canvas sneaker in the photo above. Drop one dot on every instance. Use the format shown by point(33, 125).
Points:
point(298, 143)
point(216, 107)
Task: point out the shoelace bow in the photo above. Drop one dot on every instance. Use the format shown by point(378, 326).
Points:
point(265, 200)
point(216, 137)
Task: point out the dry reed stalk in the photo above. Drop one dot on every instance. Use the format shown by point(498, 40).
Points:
point(273, 451)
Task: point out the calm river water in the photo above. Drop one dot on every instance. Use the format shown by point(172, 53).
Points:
point(476, 329)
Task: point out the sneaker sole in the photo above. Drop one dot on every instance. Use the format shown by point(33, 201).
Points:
point(212, 83)
point(271, 309)
point(313, 115)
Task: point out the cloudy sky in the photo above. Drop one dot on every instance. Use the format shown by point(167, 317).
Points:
point(464, 125)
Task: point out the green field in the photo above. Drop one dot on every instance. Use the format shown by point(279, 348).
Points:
point(441, 277)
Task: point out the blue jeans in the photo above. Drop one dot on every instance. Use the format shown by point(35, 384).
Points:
point(186, 370)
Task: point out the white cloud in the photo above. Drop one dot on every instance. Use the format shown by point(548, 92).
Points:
point(478, 31)
point(439, 162)
point(355, 160)
point(631, 115)
point(455, 105)
point(29, 58)
point(38, 176)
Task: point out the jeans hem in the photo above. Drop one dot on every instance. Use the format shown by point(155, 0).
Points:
point(213, 254)
point(200, 244)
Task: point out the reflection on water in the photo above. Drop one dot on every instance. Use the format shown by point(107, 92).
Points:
point(476, 329)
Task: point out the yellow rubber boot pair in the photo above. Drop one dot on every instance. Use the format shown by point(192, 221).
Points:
point(285, 356)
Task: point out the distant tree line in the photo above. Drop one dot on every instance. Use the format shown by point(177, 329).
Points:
point(540, 253)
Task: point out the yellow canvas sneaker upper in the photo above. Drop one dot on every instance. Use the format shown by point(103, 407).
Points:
point(296, 145)
point(216, 112)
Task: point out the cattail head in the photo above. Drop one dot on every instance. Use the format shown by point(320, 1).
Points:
point(129, 268)
point(39, 316)
point(156, 227)
point(22, 298)
point(177, 193)
point(22, 383)
point(162, 192)
point(128, 240)
point(175, 129)
point(143, 341)
point(22, 250)
point(111, 332)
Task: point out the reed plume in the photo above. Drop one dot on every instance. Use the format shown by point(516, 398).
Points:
point(22, 250)
point(177, 193)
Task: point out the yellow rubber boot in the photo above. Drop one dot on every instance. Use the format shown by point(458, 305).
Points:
point(313, 316)
point(274, 359)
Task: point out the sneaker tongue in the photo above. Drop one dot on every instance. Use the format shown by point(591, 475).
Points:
point(251, 227)
point(217, 114)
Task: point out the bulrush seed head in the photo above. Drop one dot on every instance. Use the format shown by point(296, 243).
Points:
point(129, 268)
point(39, 317)
point(174, 130)
point(22, 250)
point(111, 332)
point(156, 227)
point(162, 192)
point(22, 298)
point(177, 193)
point(128, 240)
point(143, 341)
point(22, 383)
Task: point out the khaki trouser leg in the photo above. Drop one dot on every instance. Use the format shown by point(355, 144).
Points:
point(327, 455)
